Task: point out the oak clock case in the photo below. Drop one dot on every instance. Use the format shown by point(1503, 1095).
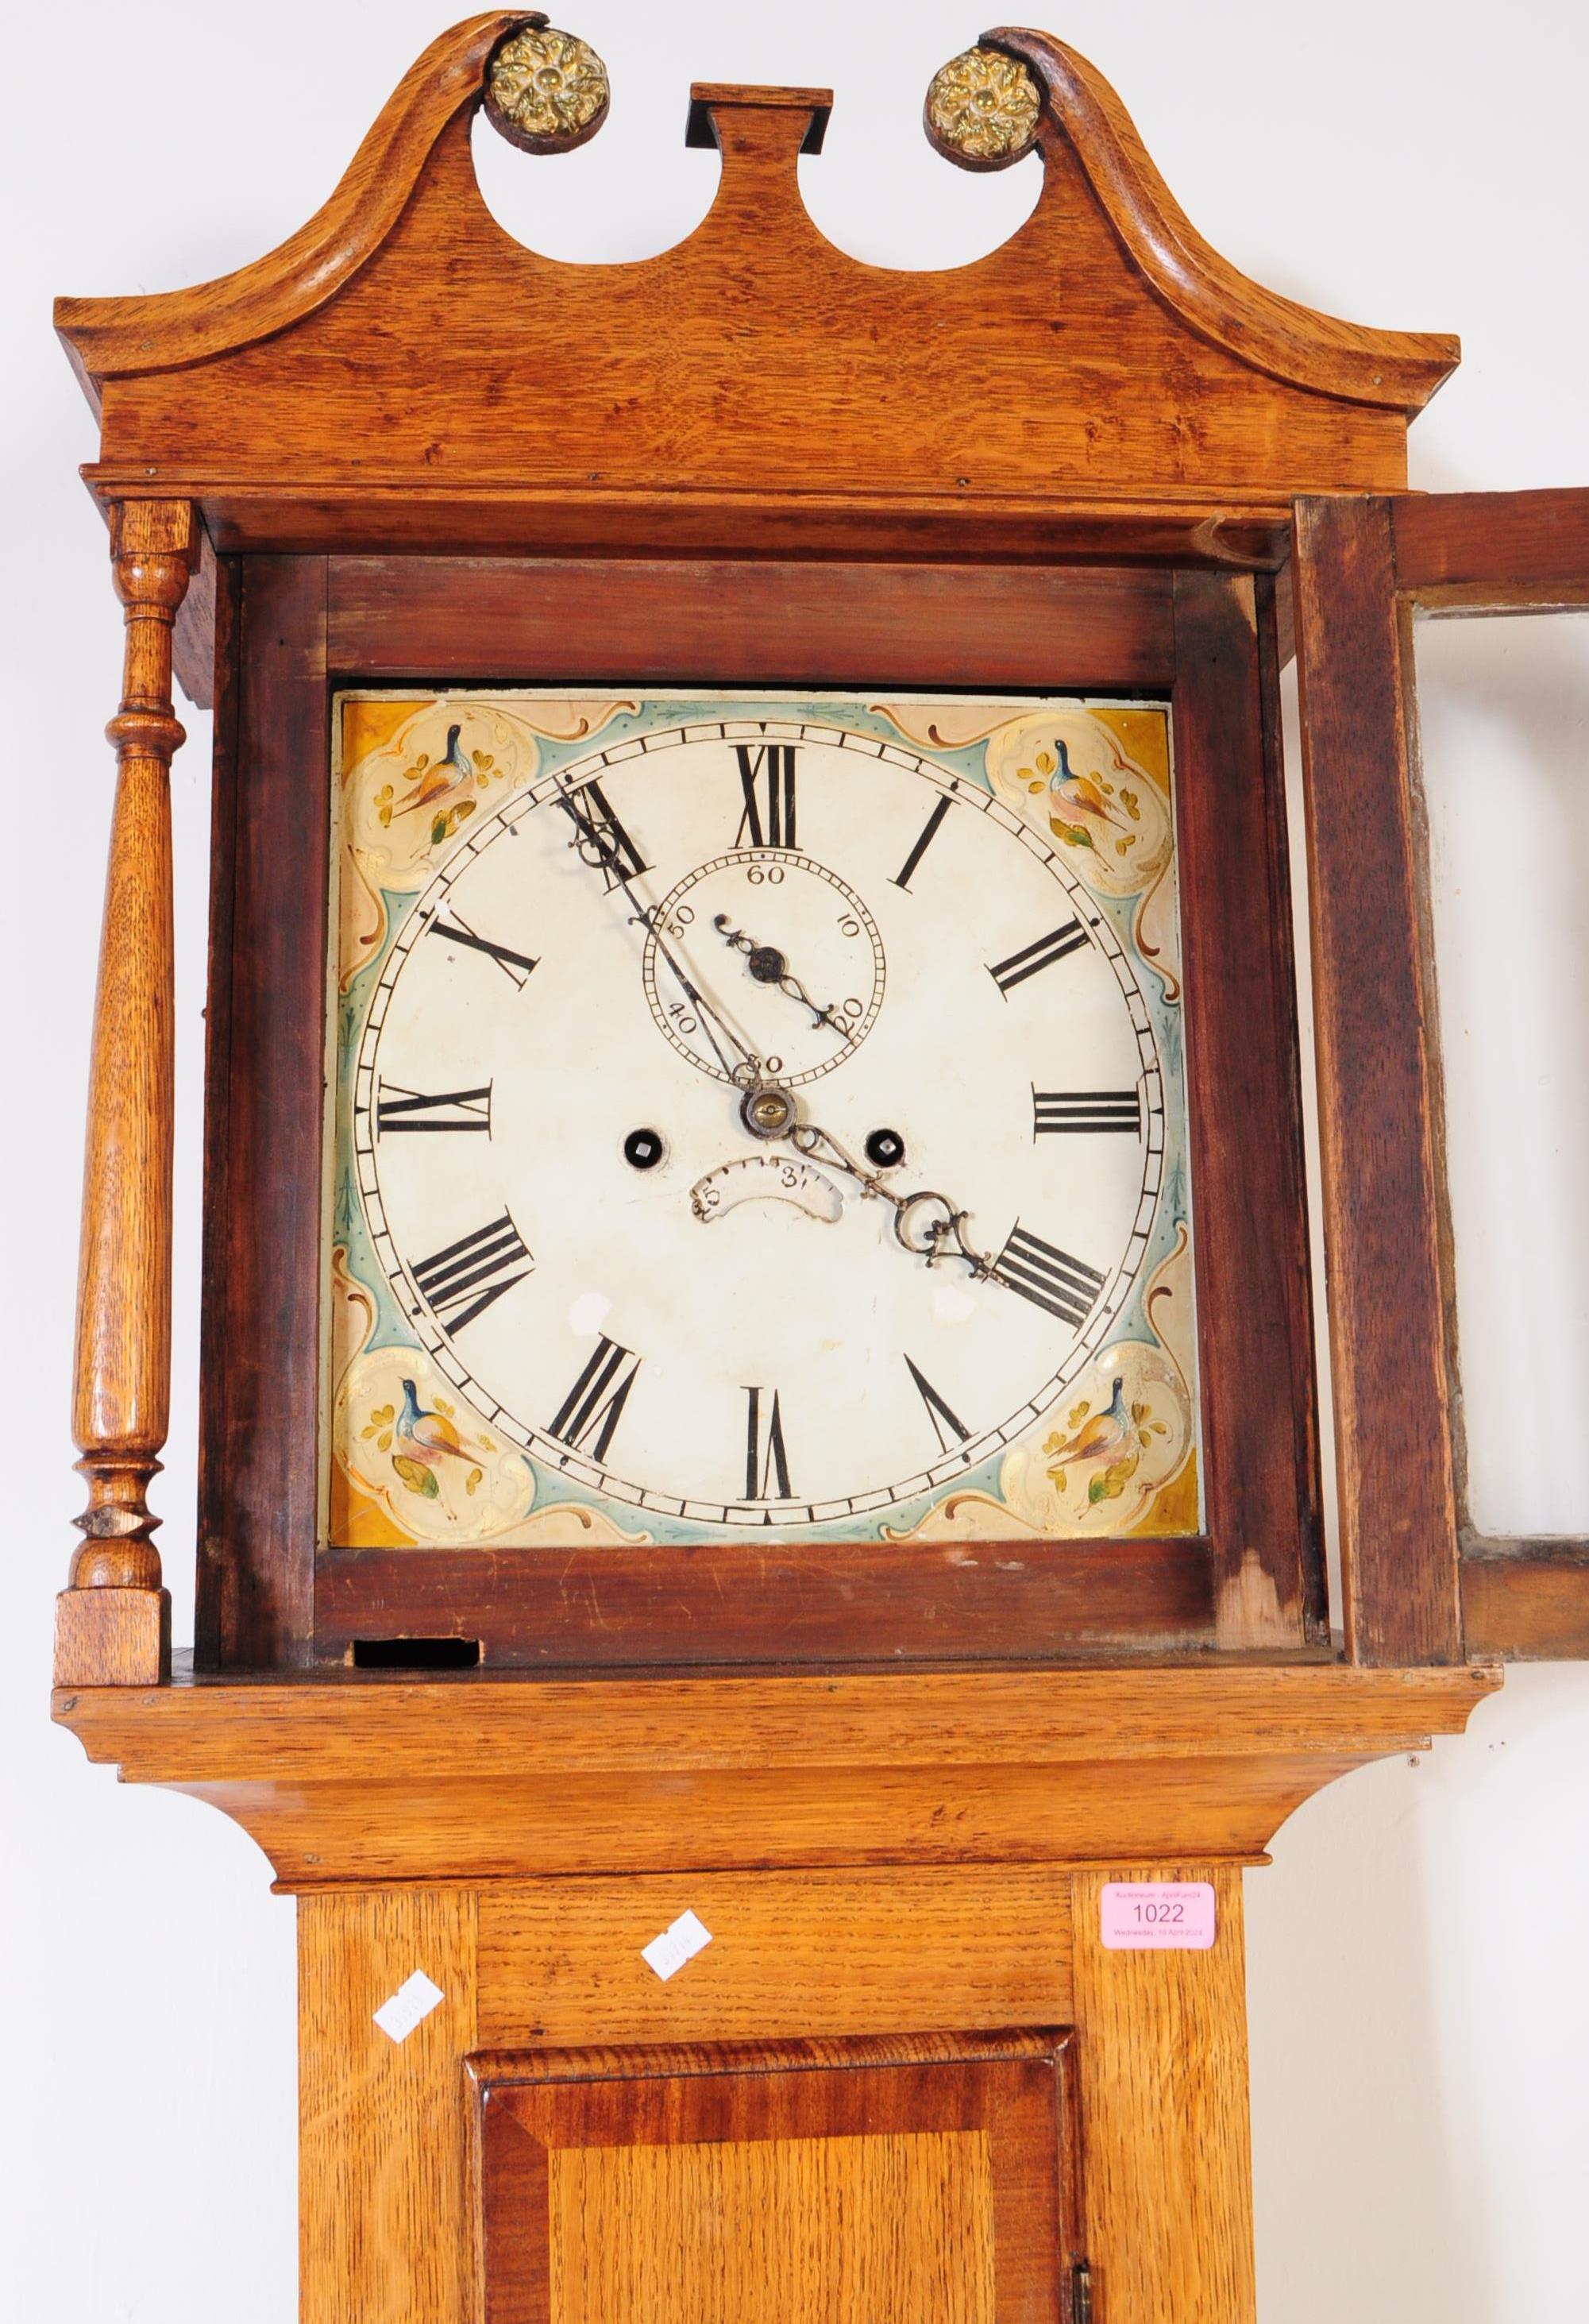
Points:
point(756, 1338)
point(664, 1026)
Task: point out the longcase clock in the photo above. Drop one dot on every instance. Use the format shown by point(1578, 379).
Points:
point(760, 1567)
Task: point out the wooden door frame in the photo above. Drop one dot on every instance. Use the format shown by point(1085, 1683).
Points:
point(1421, 1583)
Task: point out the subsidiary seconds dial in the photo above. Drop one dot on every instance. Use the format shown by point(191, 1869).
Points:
point(758, 1123)
point(804, 990)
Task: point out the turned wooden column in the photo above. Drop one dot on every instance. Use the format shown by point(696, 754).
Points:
point(113, 1624)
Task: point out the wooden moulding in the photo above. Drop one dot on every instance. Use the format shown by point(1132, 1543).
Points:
point(401, 373)
point(1290, 342)
point(355, 1782)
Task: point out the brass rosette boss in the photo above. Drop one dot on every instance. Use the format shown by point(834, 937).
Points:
point(982, 110)
point(546, 91)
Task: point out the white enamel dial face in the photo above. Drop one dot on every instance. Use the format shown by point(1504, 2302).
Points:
point(549, 1143)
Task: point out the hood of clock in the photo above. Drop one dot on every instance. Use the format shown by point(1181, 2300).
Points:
point(401, 373)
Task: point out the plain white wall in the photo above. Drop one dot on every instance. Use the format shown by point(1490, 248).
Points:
point(1420, 2019)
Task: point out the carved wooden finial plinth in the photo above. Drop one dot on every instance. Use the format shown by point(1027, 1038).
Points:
point(113, 1624)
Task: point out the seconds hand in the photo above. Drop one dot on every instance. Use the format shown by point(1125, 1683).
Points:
point(767, 965)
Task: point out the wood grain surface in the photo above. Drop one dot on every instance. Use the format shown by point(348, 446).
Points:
point(401, 368)
point(772, 2230)
point(260, 1392)
point(1527, 1601)
point(1163, 2059)
point(926, 2176)
point(1376, 1037)
point(740, 1602)
point(1291, 342)
point(561, 621)
point(477, 1780)
point(385, 2231)
point(369, 516)
point(106, 1636)
point(954, 1947)
point(362, 1729)
point(1244, 1100)
point(463, 1829)
point(194, 632)
point(105, 336)
point(1509, 552)
point(122, 1366)
point(1362, 568)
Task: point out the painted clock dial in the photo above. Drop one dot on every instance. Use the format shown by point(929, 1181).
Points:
point(758, 1114)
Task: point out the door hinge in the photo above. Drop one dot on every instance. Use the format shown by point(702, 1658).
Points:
point(1081, 2292)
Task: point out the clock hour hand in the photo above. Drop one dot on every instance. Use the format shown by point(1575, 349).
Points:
point(927, 1223)
point(768, 966)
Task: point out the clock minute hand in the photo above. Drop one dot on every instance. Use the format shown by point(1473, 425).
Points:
point(601, 841)
point(747, 1071)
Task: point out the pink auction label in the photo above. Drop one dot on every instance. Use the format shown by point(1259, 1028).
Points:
point(1157, 1915)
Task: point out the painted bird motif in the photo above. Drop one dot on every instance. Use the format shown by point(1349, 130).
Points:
point(1083, 794)
point(1102, 1437)
point(424, 1440)
point(439, 785)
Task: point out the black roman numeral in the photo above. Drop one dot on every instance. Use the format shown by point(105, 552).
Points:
point(401, 1109)
point(594, 1406)
point(1050, 1278)
point(602, 841)
point(929, 833)
point(772, 767)
point(945, 1425)
point(461, 1281)
point(1008, 973)
point(1086, 1110)
point(764, 1457)
point(515, 966)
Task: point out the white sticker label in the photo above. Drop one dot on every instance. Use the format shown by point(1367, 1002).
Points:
point(413, 2001)
point(667, 1953)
